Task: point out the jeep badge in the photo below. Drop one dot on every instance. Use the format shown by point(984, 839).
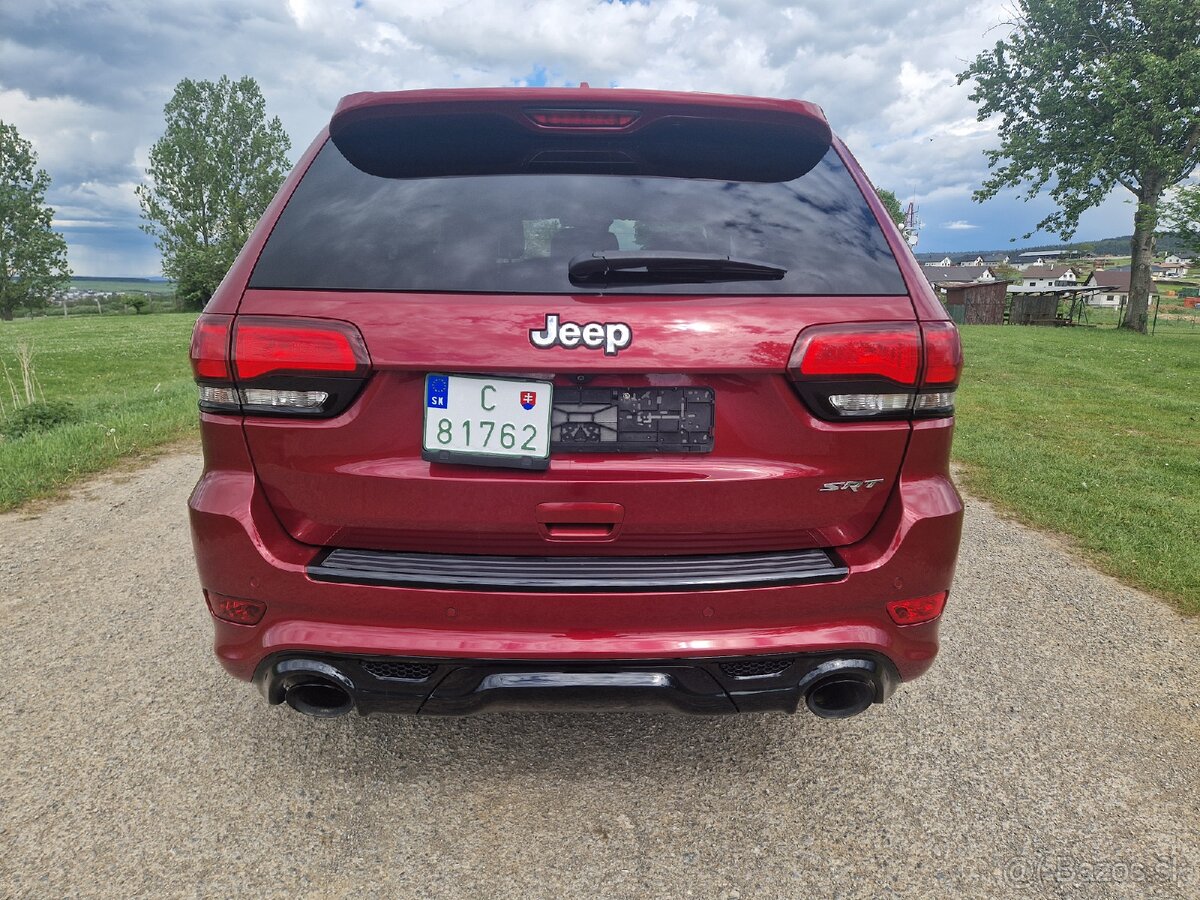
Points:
point(612, 336)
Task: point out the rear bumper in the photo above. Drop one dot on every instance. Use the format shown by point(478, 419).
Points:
point(242, 551)
point(451, 687)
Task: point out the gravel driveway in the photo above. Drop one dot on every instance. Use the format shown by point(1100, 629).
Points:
point(1054, 750)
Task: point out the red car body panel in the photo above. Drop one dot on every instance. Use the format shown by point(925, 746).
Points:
point(241, 550)
point(276, 492)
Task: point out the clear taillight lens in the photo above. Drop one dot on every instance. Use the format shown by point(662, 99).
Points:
point(870, 404)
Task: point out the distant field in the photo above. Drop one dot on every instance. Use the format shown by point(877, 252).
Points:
point(1092, 433)
point(122, 285)
point(128, 383)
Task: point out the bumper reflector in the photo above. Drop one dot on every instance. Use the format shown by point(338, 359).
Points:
point(917, 610)
point(235, 609)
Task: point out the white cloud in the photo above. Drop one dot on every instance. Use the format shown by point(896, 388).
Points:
point(959, 225)
point(87, 81)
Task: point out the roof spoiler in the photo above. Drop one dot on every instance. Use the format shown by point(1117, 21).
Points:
point(420, 134)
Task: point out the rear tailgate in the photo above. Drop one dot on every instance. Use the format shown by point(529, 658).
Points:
point(358, 480)
point(442, 226)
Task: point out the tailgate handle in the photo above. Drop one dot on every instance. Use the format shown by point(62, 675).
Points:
point(579, 521)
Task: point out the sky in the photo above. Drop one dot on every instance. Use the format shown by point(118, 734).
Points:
point(86, 83)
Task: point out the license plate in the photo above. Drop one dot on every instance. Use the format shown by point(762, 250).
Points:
point(487, 421)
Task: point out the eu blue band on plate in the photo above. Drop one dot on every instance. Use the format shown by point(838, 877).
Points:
point(437, 391)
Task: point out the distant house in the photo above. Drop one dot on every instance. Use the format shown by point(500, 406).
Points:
point(992, 259)
point(940, 273)
point(1112, 288)
point(1045, 278)
point(1174, 267)
point(946, 261)
point(1156, 271)
point(1038, 258)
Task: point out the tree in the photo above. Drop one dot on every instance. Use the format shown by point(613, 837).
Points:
point(33, 257)
point(137, 302)
point(1093, 95)
point(212, 174)
point(1182, 215)
point(892, 205)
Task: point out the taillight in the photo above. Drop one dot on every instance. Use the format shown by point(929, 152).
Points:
point(918, 609)
point(277, 366)
point(881, 351)
point(210, 348)
point(943, 367)
point(265, 346)
point(583, 118)
point(877, 370)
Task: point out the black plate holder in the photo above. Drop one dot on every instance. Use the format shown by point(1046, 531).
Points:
point(632, 420)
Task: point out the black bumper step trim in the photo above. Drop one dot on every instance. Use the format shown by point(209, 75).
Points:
point(587, 574)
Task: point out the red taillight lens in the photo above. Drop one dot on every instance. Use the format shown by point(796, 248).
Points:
point(917, 610)
point(235, 609)
point(583, 118)
point(892, 352)
point(267, 346)
point(943, 354)
point(210, 348)
point(873, 370)
point(278, 366)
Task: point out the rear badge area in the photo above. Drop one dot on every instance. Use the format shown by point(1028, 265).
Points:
point(853, 486)
point(613, 337)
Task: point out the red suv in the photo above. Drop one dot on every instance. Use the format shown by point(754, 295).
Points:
point(541, 398)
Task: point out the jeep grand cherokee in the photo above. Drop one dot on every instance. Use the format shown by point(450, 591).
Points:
point(575, 399)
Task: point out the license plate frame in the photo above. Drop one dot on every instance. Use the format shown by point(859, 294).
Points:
point(452, 398)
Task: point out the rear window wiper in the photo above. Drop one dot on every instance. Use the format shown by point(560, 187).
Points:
point(615, 268)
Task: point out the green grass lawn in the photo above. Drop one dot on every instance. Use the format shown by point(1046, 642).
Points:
point(128, 383)
point(1093, 433)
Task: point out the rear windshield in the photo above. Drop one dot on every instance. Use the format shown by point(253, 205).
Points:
point(344, 229)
